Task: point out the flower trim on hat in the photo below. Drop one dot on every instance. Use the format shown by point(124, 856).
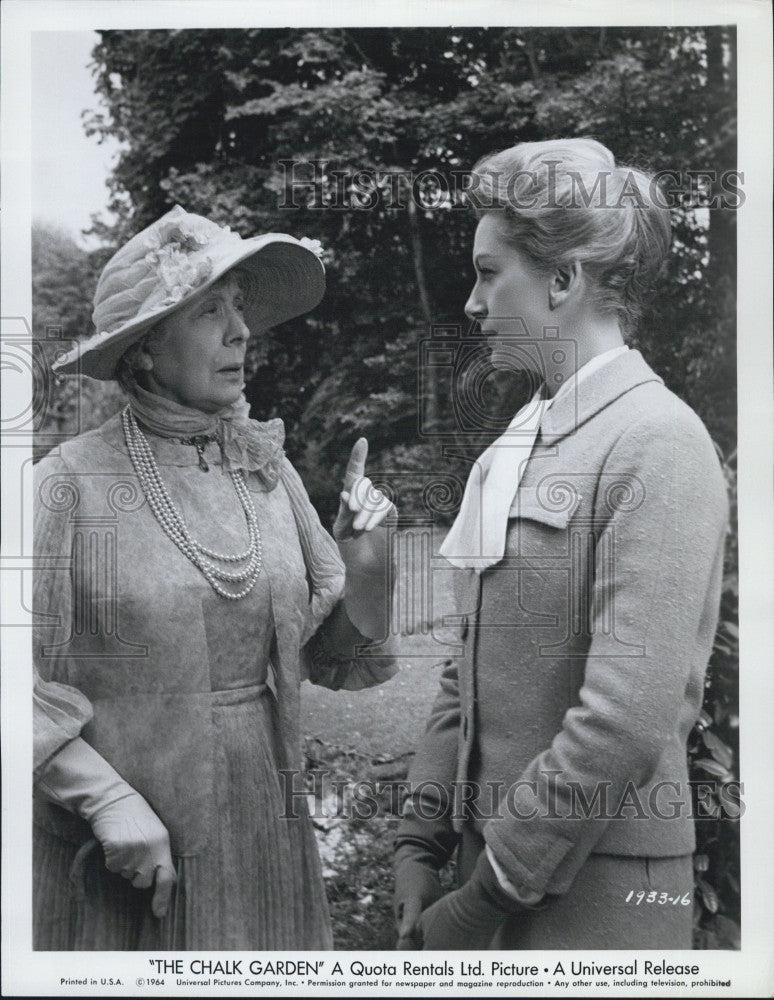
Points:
point(171, 232)
point(170, 246)
point(314, 245)
point(180, 275)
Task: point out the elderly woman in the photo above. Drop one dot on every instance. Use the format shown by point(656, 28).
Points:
point(185, 585)
point(589, 545)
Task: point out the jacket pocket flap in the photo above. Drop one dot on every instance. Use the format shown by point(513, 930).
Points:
point(553, 507)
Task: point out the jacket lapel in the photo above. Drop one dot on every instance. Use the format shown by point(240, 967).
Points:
point(602, 387)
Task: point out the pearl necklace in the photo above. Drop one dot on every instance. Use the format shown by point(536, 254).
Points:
point(174, 526)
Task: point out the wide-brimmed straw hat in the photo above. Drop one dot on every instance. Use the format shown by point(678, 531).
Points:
point(179, 256)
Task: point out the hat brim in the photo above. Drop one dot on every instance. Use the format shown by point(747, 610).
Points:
point(287, 280)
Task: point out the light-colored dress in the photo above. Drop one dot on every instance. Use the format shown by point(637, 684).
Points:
point(191, 697)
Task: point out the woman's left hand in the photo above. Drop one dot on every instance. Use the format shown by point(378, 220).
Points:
point(467, 918)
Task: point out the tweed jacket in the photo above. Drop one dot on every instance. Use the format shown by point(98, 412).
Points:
point(562, 728)
point(132, 644)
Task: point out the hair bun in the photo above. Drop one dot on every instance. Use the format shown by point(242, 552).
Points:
point(567, 200)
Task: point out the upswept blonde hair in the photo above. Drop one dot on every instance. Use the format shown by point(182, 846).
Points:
point(566, 200)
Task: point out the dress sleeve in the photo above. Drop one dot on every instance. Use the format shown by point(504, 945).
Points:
point(60, 711)
point(334, 653)
point(337, 656)
point(426, 811)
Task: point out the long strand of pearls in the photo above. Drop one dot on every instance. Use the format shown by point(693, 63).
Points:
point(171, 521)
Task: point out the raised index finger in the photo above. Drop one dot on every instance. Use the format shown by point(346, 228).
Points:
point(356, 463)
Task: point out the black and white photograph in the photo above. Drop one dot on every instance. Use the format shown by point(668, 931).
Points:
point(387, 514)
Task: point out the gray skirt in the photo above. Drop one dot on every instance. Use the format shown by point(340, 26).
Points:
point(601, 909)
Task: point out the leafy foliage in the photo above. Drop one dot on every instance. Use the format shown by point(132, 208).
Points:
point(714, 767)
point(63, 279)
point(212, 119)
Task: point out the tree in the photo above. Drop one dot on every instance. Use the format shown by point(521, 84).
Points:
point(63, 280)
point(215, 120)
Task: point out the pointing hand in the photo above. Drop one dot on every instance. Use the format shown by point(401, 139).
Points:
point(361, 506)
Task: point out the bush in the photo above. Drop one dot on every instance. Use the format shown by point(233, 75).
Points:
point(713, 751)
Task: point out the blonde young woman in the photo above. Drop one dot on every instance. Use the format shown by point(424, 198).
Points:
point(184, 586)
point(589, 545)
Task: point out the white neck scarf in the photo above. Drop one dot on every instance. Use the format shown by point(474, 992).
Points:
point(477, 537)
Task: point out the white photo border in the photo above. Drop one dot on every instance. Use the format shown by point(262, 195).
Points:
point(751, 971)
